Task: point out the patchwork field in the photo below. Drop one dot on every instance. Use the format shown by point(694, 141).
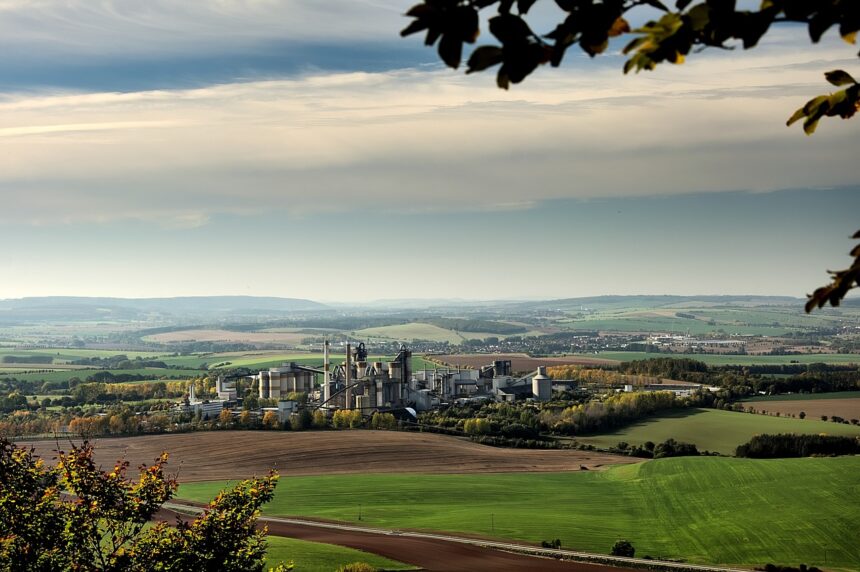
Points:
point(715, 359)
point(241, 454)
point(519, 362)
point(227, 336)
point(714, 430)
point(700, 509)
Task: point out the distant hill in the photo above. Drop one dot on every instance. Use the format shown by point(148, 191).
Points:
point(72, 308)
point(649, 301)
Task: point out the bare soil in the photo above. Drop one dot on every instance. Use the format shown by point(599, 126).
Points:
point(425, 553)
point(224, 455)
point(814, 408)
point(519, 362)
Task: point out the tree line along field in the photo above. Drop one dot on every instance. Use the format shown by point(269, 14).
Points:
point(180, 366)
point(724, 359)
point(713, 430)
point(712, 510)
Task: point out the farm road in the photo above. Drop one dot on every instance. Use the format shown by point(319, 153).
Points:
point(428, 551)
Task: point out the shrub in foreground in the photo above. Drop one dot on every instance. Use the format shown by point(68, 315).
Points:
point(77, 517)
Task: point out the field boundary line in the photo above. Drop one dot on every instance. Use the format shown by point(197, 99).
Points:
point(535, 551)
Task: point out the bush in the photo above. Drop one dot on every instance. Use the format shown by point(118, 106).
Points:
point(356, 567)
point(623, 548)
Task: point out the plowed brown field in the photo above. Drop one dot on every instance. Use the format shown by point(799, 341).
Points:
point(217, 455)
point(814, 408)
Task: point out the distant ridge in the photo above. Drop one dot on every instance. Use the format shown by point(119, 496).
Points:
point(37, 309)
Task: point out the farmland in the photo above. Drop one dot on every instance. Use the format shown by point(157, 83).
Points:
point(706, 510)
point(714, 430)
point(214, 454)
point(845, 404)
point(319, 557)
point(227, 336)
point(716, 359)
point(519, 362)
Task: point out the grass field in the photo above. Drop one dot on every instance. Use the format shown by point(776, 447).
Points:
point(414, 331)
point(65, 375)
point(715, 359)
point(700, 509)
point(319, 557)
point(714, 430)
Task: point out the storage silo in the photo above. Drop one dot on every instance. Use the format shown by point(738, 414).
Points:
point(542, 385)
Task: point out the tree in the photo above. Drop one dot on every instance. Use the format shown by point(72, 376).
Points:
point(843, 281)
point(270, 420)
point(591, 24)
point(623, 548)
point(98, 523)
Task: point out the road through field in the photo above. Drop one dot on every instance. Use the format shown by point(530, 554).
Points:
point(442, 552)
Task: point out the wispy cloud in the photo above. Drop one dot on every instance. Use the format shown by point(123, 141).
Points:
point(418, 139)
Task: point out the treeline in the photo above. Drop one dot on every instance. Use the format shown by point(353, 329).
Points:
point(39, 359)
point(673, 368)
point(614, 411)
point(119, 361)
point(470, 325)
point(788, 445)
point(598, 376)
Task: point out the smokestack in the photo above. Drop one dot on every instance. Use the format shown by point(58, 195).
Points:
point(348, 368)
point(326, 373)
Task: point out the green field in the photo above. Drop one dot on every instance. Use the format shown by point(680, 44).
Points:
point(700, 509)
point(319, 557)
point(716, 359)
point(311, 360)
point(714, 430)
point(67, 374)
point(68, 354)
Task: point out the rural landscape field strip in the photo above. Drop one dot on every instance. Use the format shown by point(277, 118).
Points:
point(727, 359)
point(309, 556)
point(704, 510)
point(713, 429)
point(227, 455)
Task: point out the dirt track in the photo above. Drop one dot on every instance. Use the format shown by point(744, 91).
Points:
point(426, 553)
point(222, 455)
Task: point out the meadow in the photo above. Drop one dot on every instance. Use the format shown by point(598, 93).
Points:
point(714, 430)
point(320, 557)
point(700, 509)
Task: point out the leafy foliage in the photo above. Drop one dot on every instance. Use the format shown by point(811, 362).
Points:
point(623, 548)
point(590, 24)
point(843, 281)
point(75, 516)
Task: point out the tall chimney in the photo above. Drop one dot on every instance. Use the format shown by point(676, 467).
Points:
point(348, 404)
point(326, 373)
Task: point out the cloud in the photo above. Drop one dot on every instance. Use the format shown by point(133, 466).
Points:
point(418, 140)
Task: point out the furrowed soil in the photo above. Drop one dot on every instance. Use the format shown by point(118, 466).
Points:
point(814, 408)
point(227, 455)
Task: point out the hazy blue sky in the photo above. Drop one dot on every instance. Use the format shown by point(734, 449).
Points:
point(300, 148)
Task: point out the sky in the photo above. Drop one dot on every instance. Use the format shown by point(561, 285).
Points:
point(300, 148)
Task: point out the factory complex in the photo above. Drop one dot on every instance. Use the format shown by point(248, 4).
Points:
point(369, 387)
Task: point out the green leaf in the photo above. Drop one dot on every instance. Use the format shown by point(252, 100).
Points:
point(839, 77)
